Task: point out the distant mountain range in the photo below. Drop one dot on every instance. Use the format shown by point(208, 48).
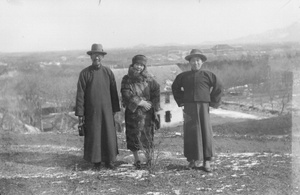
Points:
point(287, 34)
point(290, 33)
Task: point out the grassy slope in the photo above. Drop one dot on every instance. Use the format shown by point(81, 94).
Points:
point(267, 170)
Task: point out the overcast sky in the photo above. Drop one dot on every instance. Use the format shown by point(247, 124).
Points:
point(45, 25)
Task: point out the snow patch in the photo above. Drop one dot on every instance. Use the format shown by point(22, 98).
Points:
point(233, 114)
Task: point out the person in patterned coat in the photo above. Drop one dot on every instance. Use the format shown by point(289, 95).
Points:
point(141, 99)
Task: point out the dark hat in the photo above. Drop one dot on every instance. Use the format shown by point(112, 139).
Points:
point(194, 53)
point(139, 59)
point(96, 48)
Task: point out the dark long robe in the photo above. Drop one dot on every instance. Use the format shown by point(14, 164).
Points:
point(139, 122)
point(197, 132)
point(97, 100)
point(196, 91)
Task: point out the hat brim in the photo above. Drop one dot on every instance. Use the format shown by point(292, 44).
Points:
point(91, 52)
point(202, 57)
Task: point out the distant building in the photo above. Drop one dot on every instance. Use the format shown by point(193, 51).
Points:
point(222, 49)
point(238, 48)
point(44, 64)
point(225, 49)
point(63, 58)
point(3, 64)
point(178, 52)
point(83, 57)
point(174, 57)
point(155, 57)
point(207, 51)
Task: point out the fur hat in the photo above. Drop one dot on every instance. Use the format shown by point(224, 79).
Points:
point(139, 59)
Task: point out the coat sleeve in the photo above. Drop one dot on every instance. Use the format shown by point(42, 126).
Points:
point(155, 95)
point(81, 86)
point(177, 90)
point(129, 99)
point(216, 93)
point(114, 93)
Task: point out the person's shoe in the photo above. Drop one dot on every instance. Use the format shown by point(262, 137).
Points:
point(137, 164)
point(97, 166)
point(110, 165)
point(206, 166)
point(191, 165)
point(207, 169)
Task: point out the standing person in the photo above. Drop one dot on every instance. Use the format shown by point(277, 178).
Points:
point(96, 104)
point(141, 98)
point(196, 90)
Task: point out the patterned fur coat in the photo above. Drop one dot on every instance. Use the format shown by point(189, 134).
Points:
point(139, 122)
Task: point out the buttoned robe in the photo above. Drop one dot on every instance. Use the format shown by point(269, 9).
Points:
point(196, 91)
point(96, 100)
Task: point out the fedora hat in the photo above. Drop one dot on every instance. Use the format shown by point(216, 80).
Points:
point(96, 48)
point(196, 53)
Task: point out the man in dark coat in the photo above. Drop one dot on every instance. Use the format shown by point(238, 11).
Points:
point(196, 90)
point(96, 104)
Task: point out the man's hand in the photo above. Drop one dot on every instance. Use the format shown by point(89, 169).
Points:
point(80, 120)
point(156, 116)
point(214, 105)
point(156, 121)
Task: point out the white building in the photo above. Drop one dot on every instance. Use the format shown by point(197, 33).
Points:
point(171, 115)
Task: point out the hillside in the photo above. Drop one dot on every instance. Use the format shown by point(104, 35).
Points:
point(281, 35)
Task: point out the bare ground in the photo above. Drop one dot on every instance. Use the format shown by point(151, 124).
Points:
point(253, 157)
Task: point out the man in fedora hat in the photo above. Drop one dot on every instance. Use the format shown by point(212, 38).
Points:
point(196, 90)
point(96, 104)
